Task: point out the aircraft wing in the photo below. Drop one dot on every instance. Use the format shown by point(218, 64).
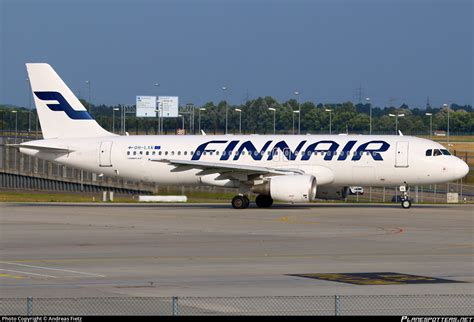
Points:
point(222, 168)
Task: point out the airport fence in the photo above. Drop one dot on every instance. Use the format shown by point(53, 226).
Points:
point(453, 304)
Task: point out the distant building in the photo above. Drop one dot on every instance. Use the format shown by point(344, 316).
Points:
point(440, 133)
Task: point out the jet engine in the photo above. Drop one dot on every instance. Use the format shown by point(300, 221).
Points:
point(291, 188)
point(332, 193)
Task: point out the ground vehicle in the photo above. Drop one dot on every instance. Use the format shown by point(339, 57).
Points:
point(356, 190)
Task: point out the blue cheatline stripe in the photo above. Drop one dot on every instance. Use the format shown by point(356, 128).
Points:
point(62, 105)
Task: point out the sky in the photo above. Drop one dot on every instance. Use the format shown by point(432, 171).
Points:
point(393, 51)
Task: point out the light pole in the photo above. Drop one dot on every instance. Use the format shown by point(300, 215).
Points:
point(370, 115)
point(182, 118)
point(224, 89)
point(113, 118)
point(156, 85)
point(431, 122)
point(297, 94)
point(274, 112)
point(330, 119)
point(294, 112)
point(396, 120)
point(16, 132)
point(240, 119)
point(16, 124)
point(89, 102)
point(199, 115)
point(29, 106)
point(447, 107)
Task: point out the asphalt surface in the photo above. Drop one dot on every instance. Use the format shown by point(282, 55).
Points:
point(109, 250)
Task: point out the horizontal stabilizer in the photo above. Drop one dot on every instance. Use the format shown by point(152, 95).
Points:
point(40, 148)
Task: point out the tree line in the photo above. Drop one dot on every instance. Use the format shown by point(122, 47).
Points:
point(257, 117)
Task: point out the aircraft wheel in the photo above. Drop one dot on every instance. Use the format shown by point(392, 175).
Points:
point(264, 201)
point(240, 202)
point(406, 204)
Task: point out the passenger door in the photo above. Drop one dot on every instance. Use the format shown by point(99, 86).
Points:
point(105, 154)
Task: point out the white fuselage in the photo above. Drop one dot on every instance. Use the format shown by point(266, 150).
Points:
point(339, 160)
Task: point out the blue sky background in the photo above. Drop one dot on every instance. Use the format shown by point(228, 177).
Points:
point(406, 50)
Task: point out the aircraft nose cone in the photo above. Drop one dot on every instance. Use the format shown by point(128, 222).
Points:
point(461, 169)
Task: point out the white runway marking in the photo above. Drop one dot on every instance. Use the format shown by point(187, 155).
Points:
point(27, 273)
point(53, 269)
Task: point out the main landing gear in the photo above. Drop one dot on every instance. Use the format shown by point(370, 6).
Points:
point(405, 198)
point(264, 201)
point(240, 202)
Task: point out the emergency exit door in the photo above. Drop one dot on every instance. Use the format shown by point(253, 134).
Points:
point(401, 156)
point(105, 154)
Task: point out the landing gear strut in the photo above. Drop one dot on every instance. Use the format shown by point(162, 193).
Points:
point(240, 202)
point(264, 201)
point(406, 202)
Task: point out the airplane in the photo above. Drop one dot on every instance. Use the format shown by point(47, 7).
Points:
point(288, 168)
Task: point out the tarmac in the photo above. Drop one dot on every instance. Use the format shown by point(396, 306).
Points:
point(109, 250)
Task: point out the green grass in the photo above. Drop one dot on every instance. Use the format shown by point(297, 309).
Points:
point(33, 196)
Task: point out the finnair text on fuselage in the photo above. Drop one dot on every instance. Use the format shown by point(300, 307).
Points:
point(329, 148)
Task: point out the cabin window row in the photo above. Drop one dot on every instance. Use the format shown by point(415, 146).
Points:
point(255, 153)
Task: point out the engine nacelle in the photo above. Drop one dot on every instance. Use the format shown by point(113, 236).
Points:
point(292, 188)
point(332, 193)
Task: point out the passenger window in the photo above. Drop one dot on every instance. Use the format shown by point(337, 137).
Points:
point(217, 152)
point(172, 152)
point(429, 152)
point(191, 152)
point(166, 152)
point(134, 152)
point(159, 153)
point(185, 152)
point(128, 152)
point(141, 152)
point(179, 152)
point(147, 153)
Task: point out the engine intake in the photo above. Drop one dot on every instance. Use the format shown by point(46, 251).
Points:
point(291, 188)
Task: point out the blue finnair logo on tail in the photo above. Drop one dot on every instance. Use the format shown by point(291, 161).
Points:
point(62, 105)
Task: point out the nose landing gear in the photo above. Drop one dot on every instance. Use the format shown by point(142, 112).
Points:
point(406, 202)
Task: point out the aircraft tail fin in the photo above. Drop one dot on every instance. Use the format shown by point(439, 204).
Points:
point(61, 114)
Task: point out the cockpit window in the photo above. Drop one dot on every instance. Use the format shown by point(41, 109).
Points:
point(429, 152)
point(445, 152)
point(437, 152)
